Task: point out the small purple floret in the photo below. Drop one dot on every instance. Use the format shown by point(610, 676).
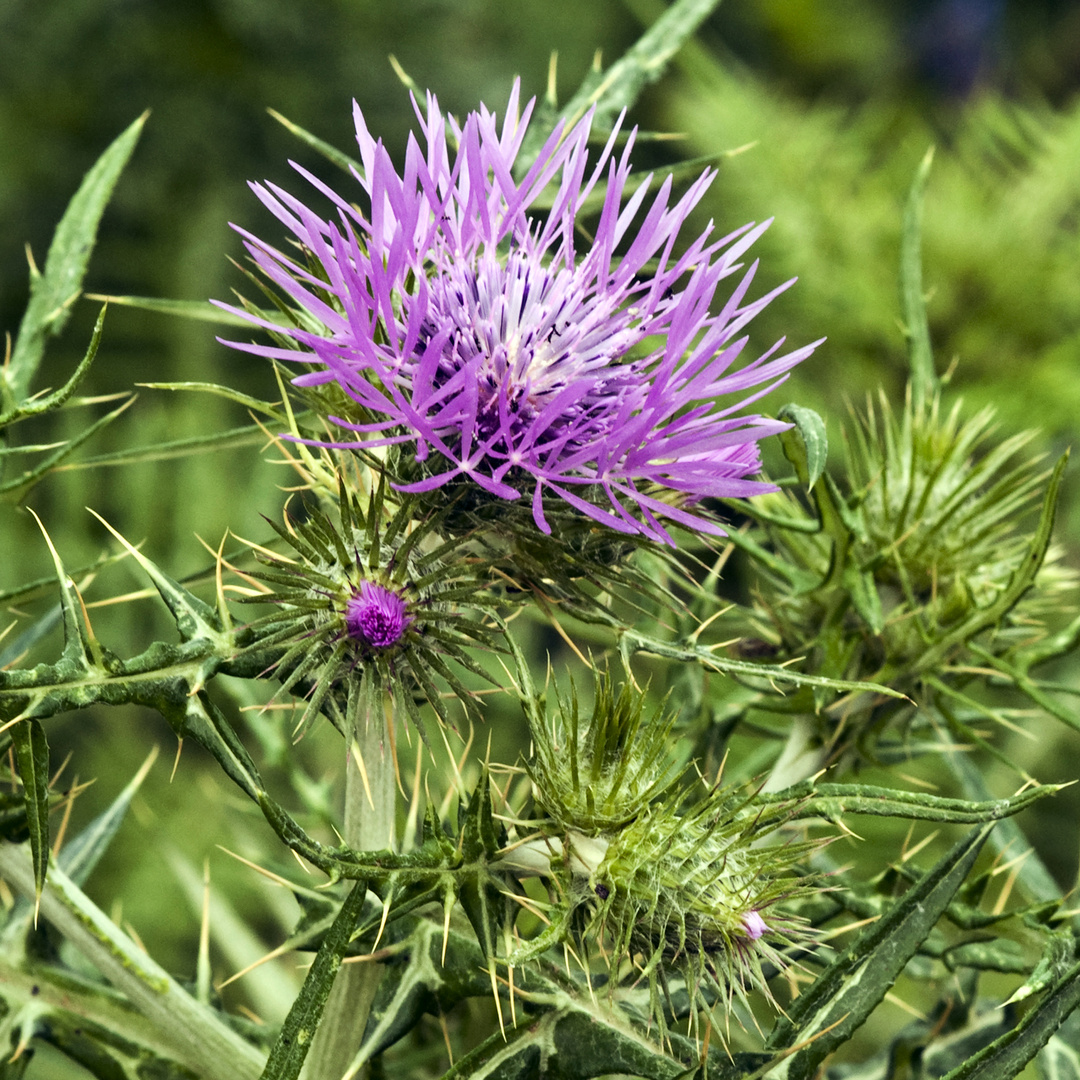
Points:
point(754, 925)
point(376, 616)
point(469, 321)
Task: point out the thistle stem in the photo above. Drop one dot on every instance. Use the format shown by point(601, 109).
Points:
point(370, 805)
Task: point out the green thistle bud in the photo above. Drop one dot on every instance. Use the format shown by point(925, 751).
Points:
point(925, 551)
point(371, 599)
point(660, 881)
point(597, 776)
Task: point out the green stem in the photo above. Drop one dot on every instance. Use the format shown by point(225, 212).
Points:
point(369, 826)
point(923, 379)
point(190, 1033)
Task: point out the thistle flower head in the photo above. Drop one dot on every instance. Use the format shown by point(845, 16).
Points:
point(461, 312)
point(376, 616)
point(369, 600)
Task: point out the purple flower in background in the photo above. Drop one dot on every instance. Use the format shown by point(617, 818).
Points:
point(474, 316)
point(376, 616)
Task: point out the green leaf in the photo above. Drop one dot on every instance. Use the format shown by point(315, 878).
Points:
point(923, 377)
point(1004, 1058)
point(196, 310)
point(442, 968)
point(32, 761)
point(249, 402)
point(1001, 955)
point(331, 153)
point(805, 445)
point(845, 994)
point(40, 405)
point(481, 892)
point(287, 1056)
point(16, 490)
point(770, 672)
point(617, 88)
point(53, 291)
point(249, 435)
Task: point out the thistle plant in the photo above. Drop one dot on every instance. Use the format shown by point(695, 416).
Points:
point(655, 877)
point(511, 394)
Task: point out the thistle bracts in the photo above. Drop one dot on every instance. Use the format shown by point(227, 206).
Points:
point(929, 554)
point(371, 600)
point(659, 879)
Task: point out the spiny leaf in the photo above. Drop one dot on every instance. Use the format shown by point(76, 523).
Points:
point(618, 87)
point(190, 1033)
point(40, 405)
point(433, 977)
point(78, 646)
point(291, 1048)
point(194, 618)
point(1004, 1058)
point(16, 490)
point(845, 994)
point(52, 291)
point(572, 1041)
point(32, 761)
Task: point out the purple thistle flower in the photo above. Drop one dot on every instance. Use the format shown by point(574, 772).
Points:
point(516, 352)
point(376, 616)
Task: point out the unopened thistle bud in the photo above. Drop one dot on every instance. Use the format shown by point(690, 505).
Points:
point(929, 542)
point(675, 886)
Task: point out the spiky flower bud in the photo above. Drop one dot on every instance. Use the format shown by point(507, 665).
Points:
point(925, 557)
point(675, 884)
point(371, 596)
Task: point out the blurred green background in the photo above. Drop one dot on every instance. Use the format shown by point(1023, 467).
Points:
point(831, 104)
